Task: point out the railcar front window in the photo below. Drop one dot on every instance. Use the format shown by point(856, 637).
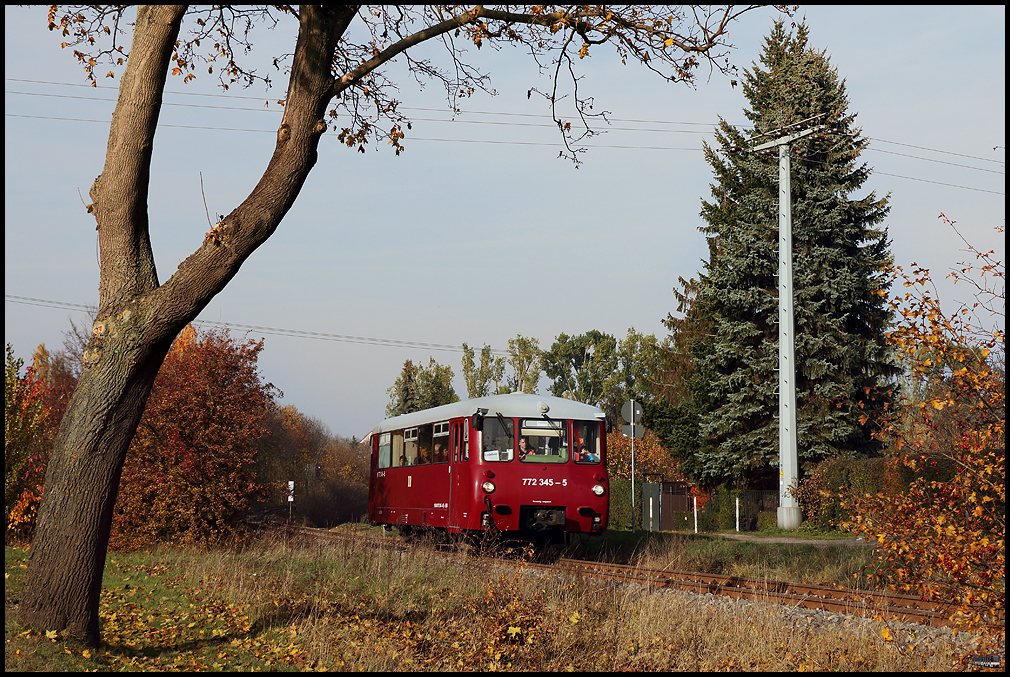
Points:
point(543, 441)
point(586, 438)
point(498, 439)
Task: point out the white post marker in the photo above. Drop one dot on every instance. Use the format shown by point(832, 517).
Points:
point(632, 413)
point(291, 498)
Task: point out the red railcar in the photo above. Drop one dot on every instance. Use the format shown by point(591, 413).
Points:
point(529, 464)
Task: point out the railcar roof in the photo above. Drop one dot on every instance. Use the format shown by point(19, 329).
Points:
point(516, 404)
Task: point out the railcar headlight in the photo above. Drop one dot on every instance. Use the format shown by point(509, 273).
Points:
point(488, 487)
point(598, 489)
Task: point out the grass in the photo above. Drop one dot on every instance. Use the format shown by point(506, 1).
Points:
point(283, 605)
point(712, 554)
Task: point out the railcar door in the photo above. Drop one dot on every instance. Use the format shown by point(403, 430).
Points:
point(458, 473)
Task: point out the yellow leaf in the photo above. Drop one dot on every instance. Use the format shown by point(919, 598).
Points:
point(887, 635)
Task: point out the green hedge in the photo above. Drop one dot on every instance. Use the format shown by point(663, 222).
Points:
point(822, 491)
point(620, 505)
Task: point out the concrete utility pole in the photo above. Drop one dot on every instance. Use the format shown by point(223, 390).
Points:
point(789, 516)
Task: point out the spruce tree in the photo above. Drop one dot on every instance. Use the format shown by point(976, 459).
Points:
point(682, 394)
point(418, 388)
point(839, 251)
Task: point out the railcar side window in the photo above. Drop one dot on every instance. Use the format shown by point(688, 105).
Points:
point(385, 450)
point(586, 438)
point(543, 441)
point(498, 440)
point(440, 453)
point(410, 446)
point(424, 444)
point(399, 459)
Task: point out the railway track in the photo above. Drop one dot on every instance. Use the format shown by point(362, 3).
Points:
point(903, 608)
point(890, 606)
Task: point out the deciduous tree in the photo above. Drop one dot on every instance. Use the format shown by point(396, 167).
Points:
point(24, 414)
point(54, 381)
point(651, 457)
point(190, 469)
point(338, 55)
point(584, 368)
point(946, 539)
point(293, 441)
point(527, 362)
point(479, 378)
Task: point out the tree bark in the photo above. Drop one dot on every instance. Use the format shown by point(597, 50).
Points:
point(138, 319)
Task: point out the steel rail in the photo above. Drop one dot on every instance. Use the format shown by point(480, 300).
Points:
point(904, 608)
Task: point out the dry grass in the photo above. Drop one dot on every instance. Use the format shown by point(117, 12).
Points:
point(828, 565)
point(352, 607)
point(347, 606)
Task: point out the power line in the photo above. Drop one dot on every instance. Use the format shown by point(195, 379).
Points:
point(545, 125)
point(413, 138)
point(499, 113)
point(544, 144)
point(934, 150)
point(277, 331)
point(542, 125)
point(939, 183)
point(406, 108)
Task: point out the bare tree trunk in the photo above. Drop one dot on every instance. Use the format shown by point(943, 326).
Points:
point(138, 319)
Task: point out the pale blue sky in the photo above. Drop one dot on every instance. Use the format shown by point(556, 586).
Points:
point(478, 232)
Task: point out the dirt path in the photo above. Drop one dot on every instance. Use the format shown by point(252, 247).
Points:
point(798, 541)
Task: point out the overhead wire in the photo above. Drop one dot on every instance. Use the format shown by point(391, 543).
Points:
point(277, 331)
point(545, 144)
point(549, 124)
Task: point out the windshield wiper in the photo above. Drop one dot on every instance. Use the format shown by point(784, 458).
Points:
point(501, 420)
point(550, 422)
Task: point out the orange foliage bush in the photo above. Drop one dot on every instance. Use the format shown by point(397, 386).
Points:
point(945, 539)
point(650, 458)
point(190, 470)
point(24, 417)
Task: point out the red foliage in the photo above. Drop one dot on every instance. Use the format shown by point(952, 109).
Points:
point(41, 397)
point(189, 472)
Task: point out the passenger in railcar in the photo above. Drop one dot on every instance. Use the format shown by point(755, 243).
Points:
point(441, 454)
point(523, 448)
point(586, 455)
point(585, 443)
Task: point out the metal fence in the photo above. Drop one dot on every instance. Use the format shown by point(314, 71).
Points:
point(670, 506)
